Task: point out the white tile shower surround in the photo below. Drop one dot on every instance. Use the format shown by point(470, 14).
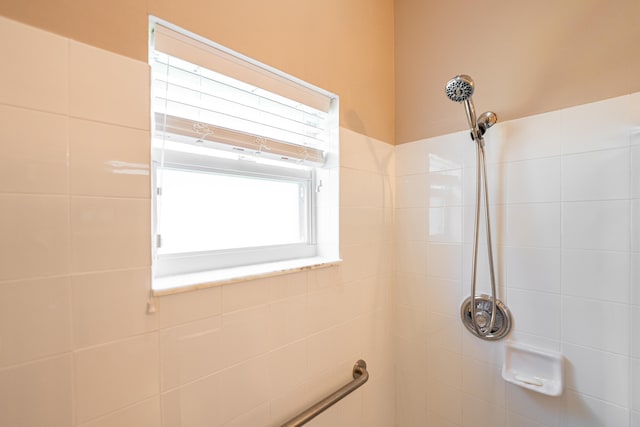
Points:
point(78, 349)
point(565, 217)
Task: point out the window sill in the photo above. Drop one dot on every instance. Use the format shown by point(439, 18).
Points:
point(207, 279)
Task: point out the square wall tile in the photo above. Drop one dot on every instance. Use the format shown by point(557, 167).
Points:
point(110, 234)
point(597, 373)
point(145, 414)
point(322, 309)
point(411, 257)
point(443, 189)
point(533, 181)
point(535, 269)
point(113, 376)
point(359, 151)
point(521, 139)
point(533, 225)
point(540, 408)
point(596, 274)
point(37, 394)
point(598, 225)
point(599, 175)
point(364, 225)
point(189, 352)
point(448, 293)
point(413, 223)
point(107, 87)
point(412, 191)
point(287, 368)
point(480, 413)
point(597, 125)
point(184, 307)
point(491, 352)
point(444, 260)
point(289, 318)
point(411, 158)
point(409, 290)
point(585, 411)
point(529, 307)
point(446, 331)
point(446, 152)
point(35, 319)
point(327, 350)
point(245, 334)
point(35, 232)
point(596, 324)
point(444, 367)
point(361, 189)
point(197, 404)
point(34, 148)
point(107, 160)
point(245, 387)
point(247, 294)
point(445, 404)
point(27, 52)
point(444, 224)
point(483, 381)
point(98, 296)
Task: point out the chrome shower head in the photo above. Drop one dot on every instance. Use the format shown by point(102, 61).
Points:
point(459, 88)
point(486, 120)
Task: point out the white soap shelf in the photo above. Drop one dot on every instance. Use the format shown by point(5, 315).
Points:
point(534, 369)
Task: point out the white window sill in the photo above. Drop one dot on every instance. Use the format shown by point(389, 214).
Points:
point(206, 279)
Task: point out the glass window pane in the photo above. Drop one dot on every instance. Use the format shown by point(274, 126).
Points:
point(203, 211)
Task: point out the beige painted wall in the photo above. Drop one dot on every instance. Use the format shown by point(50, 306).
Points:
point(343, 46)
point(525, 56)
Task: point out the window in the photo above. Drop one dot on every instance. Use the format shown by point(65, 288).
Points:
point(245, 165)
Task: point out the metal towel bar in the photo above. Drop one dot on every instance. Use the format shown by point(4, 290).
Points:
point(360, 376)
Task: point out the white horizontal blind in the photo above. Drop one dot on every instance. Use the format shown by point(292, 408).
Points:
point(257, 111)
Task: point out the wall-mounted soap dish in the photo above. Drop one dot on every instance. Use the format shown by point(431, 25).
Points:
point(538, 370)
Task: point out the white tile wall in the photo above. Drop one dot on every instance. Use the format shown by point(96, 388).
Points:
point(596, 274)
point(42, 307)
point(107, 160)
point(37, 393)
point(599, 225)
point(78, 346)
point(566, 236)
point(35, 230)
point(23, 82)
point(34, 158)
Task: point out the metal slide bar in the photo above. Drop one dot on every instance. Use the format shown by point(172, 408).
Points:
point(360, 376)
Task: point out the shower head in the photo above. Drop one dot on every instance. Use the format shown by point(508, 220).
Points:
point(486, 120)
point(459, 88)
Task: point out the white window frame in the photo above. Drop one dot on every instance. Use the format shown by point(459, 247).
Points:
point(177, 272)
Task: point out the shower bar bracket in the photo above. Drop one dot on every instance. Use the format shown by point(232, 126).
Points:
point(360, 376)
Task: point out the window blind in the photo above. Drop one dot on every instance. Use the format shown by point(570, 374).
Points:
point(204, 95)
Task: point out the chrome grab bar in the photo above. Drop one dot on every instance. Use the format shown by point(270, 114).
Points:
point(360, 376)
